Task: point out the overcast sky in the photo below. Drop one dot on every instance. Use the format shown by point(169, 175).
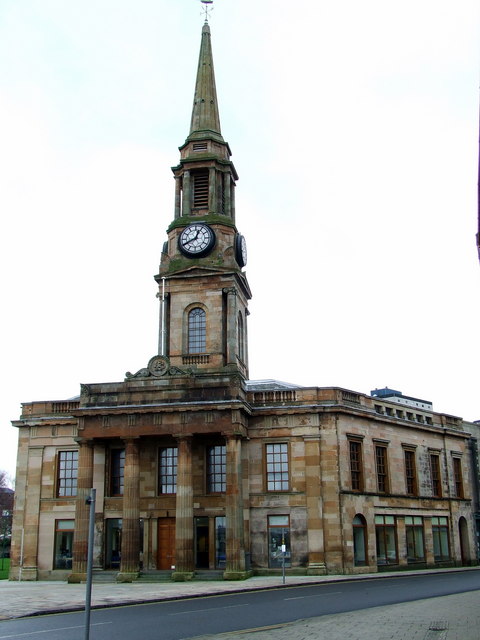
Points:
point(354, 129)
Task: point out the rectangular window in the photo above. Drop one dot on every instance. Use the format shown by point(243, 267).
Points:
point(415, 539)
point(63, 544)
point(113, 543)
point(277, 467)
point(279, 541)
point(356, 465)
point(117, 468)
point(216, 469)
point(67, 473)
point(458, 477)
point(167, 470)
point(440, 539)
point(382, 468)
point(386, 538)
point(410, 472)
point(436, 477)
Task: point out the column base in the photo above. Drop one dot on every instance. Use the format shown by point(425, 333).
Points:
point(237, 575)
point(127, 576)
point(77, 578)
point(316, 569)
point(182, 576)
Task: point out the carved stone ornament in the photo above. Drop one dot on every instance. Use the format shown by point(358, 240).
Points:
point(157, 367)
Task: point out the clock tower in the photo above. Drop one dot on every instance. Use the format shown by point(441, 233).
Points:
point(203, 289)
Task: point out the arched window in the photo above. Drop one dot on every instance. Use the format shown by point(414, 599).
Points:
point(359, 541)
point(241, 338)
point(197, 335)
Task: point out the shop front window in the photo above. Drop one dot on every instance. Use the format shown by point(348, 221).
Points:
point(440, 539)
point(415, 539)
point(279, 541)
point(386, 534)
point(359, 541)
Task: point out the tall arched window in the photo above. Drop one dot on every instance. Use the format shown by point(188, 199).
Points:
point(241, 338)
point(359, 541)
point(197, 335)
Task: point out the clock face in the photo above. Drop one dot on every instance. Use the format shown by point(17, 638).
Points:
point(241, 250)
point(196, 240)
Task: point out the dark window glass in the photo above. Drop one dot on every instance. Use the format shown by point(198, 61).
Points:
point(279, 551)
point(410, 472)
point(216, 469)
point(63, 544)
point(359, 541)
point(436, 478)
point(167, 470)
point(356, 467)
point(117, 468)
point(197, 336)
point(458, 477)
point(277, 467)
point(382, 468)
point(67, 473)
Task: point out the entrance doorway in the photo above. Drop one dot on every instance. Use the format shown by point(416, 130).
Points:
point(166, 543)
point(201, 543)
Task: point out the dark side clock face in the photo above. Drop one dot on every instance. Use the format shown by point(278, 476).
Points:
point(196, 240)
point(240, 250)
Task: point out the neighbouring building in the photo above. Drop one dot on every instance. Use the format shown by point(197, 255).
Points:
point(197, 468)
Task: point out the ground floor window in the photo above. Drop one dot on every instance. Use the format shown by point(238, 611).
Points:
point(386, 534)
point(113, 543)
point(63, 544)
point(220, 543)
point(441, 547)
point(279, 541)
point(415, 539)
point(359, 541)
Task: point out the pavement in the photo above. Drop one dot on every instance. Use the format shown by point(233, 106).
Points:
point(454, 617)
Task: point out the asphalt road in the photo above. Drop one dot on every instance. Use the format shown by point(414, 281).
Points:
point(175, 620)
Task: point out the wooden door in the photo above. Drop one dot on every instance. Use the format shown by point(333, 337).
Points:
point(166, 543)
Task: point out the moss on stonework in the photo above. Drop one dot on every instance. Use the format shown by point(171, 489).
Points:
point(210, 218)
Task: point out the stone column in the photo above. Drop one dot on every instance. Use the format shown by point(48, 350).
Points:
point(316, 560)
point(212, 191)
point(226, 190)
point(231, 355)
point(82, 511)
point(235, 565)
point(186, 200)
point(178, 197)
point(129, 566)
point(184, 563)
point(29, 567)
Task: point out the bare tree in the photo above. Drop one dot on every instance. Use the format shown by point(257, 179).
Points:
point(6, 512)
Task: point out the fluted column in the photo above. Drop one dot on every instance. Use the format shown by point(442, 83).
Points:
point(129, 566)
point(184, 562)
point(178, 197)
point(82, 511)
point(235, 545)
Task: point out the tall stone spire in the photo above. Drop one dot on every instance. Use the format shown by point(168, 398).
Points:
point(205, 115)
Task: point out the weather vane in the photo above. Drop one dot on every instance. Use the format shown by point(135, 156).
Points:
point(207, 8)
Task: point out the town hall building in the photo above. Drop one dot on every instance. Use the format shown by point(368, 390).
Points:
point(199, 469)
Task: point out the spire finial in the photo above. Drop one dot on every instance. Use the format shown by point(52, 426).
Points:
point(207, 8)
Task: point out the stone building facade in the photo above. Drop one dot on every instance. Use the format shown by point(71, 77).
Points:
point(197, 468)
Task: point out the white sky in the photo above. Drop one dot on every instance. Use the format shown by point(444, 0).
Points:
point(354, 129)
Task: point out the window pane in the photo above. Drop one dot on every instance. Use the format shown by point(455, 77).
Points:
point(197, 331)
point(167, 470)
point(277, 467)
point(67, 473)
point(216, 469)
